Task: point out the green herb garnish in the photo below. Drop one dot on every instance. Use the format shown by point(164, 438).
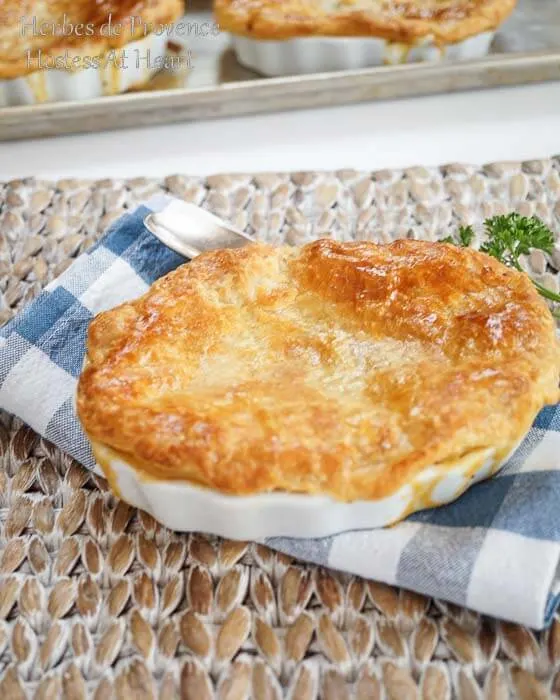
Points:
point(510, 236)
point(514, 235)
point(466, 235)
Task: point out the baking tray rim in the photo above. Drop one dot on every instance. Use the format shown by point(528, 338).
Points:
point(286, 87)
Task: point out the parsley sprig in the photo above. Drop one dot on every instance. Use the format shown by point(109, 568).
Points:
point(508, 237)
point(466, 236)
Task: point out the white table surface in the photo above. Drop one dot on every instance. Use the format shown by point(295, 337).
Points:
point(476, 127)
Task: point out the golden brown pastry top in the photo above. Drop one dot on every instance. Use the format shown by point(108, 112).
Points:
point(79, 27)
point(336, 368)
point(406, 21)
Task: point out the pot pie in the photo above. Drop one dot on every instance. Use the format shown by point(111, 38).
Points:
point(300, 37)
point(403, 21)
point(340, 369)
point(41, 39)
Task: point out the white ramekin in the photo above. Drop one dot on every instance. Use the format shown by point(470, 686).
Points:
point(185, 507)
point(324, 54)
point(54, 85)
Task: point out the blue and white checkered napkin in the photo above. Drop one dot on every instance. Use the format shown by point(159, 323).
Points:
point(495, 550)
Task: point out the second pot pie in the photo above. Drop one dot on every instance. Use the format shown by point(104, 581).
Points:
point(80, 28)
point(341, 369)
point(405, 21)
point(58, 50)
point(309, 36)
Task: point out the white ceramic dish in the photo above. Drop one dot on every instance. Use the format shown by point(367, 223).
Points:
point(142, 59)
point(185, 507)
point(319, 55)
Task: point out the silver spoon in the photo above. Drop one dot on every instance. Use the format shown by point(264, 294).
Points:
point(190, 230)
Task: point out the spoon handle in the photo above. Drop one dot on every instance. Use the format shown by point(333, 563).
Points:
point(190, 230)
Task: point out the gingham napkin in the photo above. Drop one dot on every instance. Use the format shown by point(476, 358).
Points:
point(495, 550)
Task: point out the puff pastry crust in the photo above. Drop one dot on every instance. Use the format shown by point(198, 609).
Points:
point(341, 369)
point(20, 42)
point(405, 21)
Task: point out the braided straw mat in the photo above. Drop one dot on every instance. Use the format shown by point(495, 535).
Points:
point(97, 600)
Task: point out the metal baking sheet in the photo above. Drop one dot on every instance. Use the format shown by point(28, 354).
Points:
point(211, 84)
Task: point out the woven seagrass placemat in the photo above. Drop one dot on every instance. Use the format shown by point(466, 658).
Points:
point(97, 600)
